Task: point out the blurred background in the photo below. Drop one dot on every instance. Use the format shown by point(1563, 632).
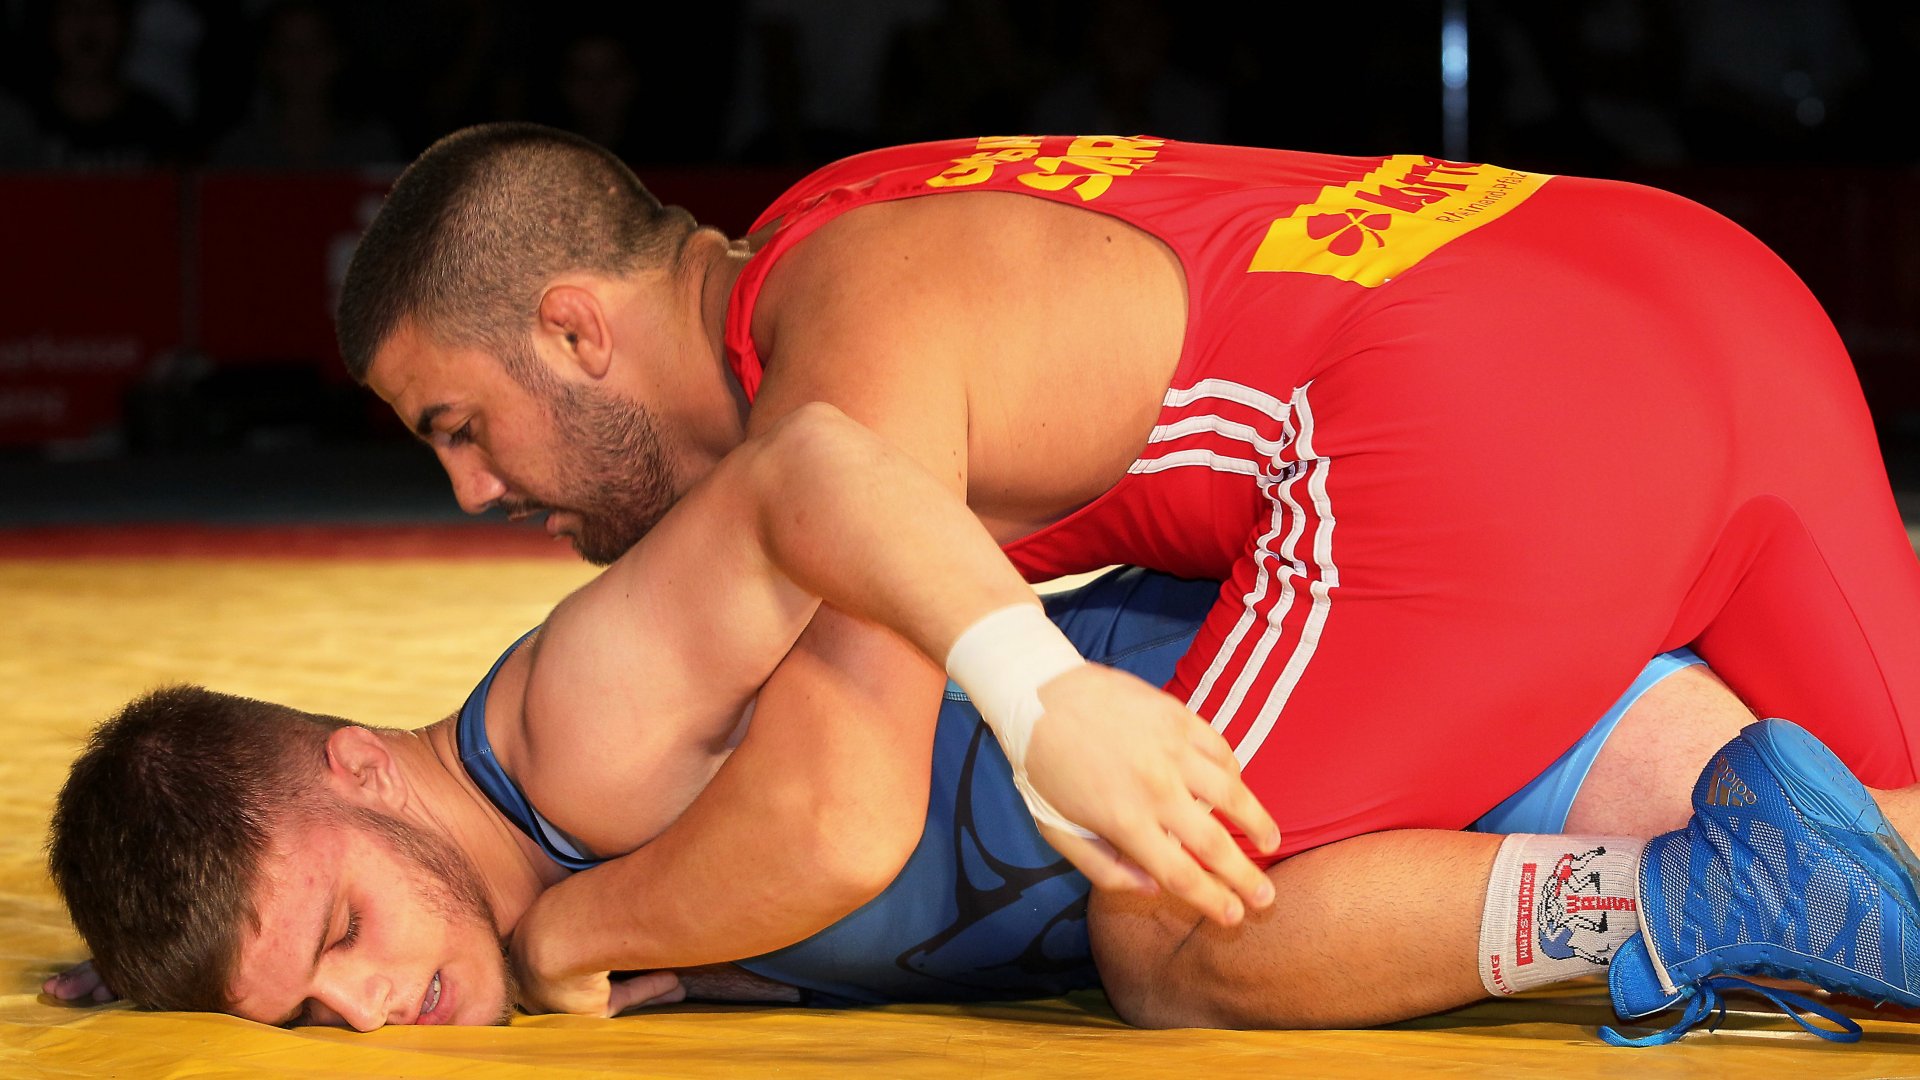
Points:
point(182, 181)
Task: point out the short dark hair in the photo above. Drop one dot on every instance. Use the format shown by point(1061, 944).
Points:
point(481, 222)
point(160, 829)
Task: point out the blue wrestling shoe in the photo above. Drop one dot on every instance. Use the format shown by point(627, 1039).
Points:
point(1787, 869)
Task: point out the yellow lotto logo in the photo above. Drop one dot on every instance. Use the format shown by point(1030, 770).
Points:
point(1385, 222)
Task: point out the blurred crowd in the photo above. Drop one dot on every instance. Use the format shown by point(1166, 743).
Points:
point(1598, 86)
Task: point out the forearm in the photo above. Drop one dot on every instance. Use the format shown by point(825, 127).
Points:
point(617, 916)
point(851, 519)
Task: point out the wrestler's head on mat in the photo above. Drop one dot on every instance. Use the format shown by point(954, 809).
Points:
point(228, 855)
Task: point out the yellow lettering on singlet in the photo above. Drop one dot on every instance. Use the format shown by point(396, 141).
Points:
point(1382, 224)
point(1087, 169)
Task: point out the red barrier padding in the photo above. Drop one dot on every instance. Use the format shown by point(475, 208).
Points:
point(282, 542)
point(90, 269)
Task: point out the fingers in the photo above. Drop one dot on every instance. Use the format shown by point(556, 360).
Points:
point(1124, 759)
point(1202, 835)
point(1224, 790)
point(650, 988)
point(1099, 862)
point(1170, 864)
point(79, 983)
point(1209, 742)
point(1164, 863)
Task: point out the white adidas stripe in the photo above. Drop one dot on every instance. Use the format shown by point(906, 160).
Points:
point(1320, 589)
point(1227, 390)
point(1250, 603)
point(1213, 424)
point(1182, 459)
point(1288, 565)
point(1248, 608)
point(1296, 419)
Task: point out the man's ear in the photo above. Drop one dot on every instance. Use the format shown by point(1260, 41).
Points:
point(361, 769)
point(574, 321)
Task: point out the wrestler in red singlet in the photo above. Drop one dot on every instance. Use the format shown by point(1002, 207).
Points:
point(1467, 445)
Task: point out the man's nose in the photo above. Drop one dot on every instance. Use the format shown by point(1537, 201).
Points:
point(363, 1003)
point(475, 487)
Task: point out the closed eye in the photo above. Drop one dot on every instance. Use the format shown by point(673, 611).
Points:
point(304, 1018)
point(461, 435)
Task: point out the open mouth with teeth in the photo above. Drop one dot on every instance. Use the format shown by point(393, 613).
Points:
point(432, 1000)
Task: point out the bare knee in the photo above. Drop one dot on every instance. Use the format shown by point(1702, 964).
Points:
point(1157, 962)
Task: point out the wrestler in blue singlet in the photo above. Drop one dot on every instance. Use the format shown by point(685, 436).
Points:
point(984, 908)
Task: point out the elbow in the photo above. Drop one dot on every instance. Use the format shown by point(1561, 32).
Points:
point(860, 861)
point(813, 443)
point(810, 467)
point(853, 852)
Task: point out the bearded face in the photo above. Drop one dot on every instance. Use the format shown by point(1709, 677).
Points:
point(611, 467)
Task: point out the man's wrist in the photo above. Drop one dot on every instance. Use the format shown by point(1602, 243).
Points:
point(544, 940)
point(1002, 661)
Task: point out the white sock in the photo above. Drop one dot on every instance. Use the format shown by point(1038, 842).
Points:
point(1557, 908)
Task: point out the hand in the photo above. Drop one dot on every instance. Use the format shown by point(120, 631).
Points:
point(1127, 761)
point(79, 985)
point(596, 993)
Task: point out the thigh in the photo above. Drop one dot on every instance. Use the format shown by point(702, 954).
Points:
point(1531, 464)
point(1807, 599)
point(1541, 457)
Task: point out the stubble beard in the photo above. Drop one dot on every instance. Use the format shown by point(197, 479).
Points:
point(616, 471)
point(450, 887)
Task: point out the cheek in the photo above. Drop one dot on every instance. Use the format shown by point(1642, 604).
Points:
point(522, 459)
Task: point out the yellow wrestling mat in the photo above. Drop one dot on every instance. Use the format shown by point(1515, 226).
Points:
point(401, 642)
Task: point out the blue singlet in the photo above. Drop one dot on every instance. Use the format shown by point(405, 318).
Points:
point(984, 908)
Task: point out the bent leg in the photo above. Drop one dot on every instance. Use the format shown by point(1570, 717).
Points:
point(1521, 472)
point(1406, 903)
point(1367, 931)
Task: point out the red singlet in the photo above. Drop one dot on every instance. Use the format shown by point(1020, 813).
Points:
point(1466, 445)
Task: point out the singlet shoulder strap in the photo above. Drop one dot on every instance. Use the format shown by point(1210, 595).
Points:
point(476, 756)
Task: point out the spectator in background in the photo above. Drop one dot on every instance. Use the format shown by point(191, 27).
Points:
point(1126, 83)
point(1584, 88)
point(810, 75)
point(436, 65)
point(164, 39)
point(1890, 98)
point(596, 92)
point(614, 73)
point(89, 116)
point(298, 121)
point(971, 71)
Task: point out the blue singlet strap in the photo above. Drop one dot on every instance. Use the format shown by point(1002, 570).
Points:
point(476, 754)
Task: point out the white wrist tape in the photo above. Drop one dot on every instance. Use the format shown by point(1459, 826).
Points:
point(1002, 661)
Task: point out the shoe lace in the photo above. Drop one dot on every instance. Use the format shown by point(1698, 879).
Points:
point(1710, 998)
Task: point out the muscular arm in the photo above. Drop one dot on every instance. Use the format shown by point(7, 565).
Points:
point(889, 335)
point(817, 810)
point(817, 505)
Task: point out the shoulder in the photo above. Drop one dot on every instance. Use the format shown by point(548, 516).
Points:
point(924, 259)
